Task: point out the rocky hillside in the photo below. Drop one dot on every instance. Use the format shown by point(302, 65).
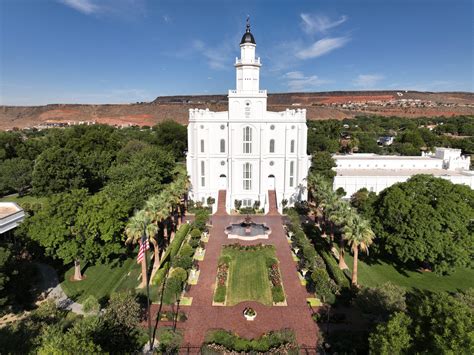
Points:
point(320, 105)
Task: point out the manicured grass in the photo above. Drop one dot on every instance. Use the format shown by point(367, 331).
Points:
point(377, 274)
point(24, 199)
point(248, 275)
point(102, 280)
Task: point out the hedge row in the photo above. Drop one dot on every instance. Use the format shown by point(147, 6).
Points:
point(170, 252)
point(333, 268)
point(265, 343)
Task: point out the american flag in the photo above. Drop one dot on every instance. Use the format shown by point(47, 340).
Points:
point(143, 248)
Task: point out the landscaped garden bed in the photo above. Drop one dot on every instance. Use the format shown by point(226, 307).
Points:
point(248, 273)
point(224, 342)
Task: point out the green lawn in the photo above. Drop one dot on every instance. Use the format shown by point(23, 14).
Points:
point(376, 274)
point(24, 199)
point(248, 276)
point(102, 280)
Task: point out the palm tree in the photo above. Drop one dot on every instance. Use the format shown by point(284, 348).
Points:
point(153, 209)
point(138, 224)
point(340, 216)
point(359, 235)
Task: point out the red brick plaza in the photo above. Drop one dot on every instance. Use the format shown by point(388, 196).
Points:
point(203, 316)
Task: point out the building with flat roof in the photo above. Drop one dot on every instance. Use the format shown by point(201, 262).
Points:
point(11, 215)
point(377, 172)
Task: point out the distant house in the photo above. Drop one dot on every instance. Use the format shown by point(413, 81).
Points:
point(385, 140)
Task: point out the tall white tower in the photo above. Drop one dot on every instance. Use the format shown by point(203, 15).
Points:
point(248, 66)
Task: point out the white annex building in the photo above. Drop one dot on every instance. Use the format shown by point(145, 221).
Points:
point(249, 152)
point(377, 172)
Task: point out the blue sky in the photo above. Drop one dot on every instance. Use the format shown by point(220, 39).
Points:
point(114, 51)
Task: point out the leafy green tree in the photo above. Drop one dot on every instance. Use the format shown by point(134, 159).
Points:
point(427, 221)
point(442, 325)
point(393, 337)
point(76, 227)
point(121, 318)
point(364, 201)
point(172, 136)
point(15, 175)
point(5, 259)
point(381, 301)
point(58, 170)
point(322, 164)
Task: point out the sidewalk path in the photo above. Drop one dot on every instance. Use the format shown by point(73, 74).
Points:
point(50, 284)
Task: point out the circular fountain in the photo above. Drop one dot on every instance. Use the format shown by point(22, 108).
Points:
point(247, 230)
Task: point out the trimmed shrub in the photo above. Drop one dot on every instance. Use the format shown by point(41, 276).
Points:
point(185, 262)
point(180, 274)
point(169, 341)
point(186, 250)
point(161, 274)
point(196, 233)
point(266, 343)
point(194, 243)
point(333, 269)
point(200, 219)
point(91, 305)
point(173, 289)
point(224, 259)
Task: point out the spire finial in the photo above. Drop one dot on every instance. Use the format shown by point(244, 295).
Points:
point(248, 23)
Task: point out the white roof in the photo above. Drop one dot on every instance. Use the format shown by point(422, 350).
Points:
point(400, 172)
point(371, 156)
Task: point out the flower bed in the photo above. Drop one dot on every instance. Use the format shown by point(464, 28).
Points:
point(275, 279)
point(250, 313)
point(221, 281)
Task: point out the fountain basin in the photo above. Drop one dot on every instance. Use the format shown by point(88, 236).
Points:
point(247, 231)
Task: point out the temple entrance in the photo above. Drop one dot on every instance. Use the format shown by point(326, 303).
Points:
point(222, 182)
point(271, 182)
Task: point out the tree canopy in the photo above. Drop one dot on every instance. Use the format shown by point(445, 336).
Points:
point(427, 221)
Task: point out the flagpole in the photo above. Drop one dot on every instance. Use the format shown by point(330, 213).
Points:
point(145, 240)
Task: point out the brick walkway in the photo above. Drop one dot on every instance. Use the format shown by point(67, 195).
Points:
point(202, 316)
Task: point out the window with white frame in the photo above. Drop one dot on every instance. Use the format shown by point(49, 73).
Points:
point(247, 140)
point(203, 174)
point(202, 145)
point(292, 146)
point(222, 145)
point(272, 146)
point(292, 173)
point(247, 176)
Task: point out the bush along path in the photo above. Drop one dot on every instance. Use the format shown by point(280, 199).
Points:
point(51, 286)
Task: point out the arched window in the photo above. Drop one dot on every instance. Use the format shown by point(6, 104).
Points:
point(247, 140)
point(203, 174)
point(292, 173)
point(272, 146)
point(292, 146)
point(222, 145)
point(202, 145)
point(247, 176)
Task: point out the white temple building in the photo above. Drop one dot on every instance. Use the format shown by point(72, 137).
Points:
point(247, 153)
point(377, 172)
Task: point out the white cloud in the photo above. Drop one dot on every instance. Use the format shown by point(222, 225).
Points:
point(126, 9)
point(166, 18)
point(367, 81)
point(217, 57)
point(297, 81)
point(323, 46)
point(85, 6)
point(319, 23)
